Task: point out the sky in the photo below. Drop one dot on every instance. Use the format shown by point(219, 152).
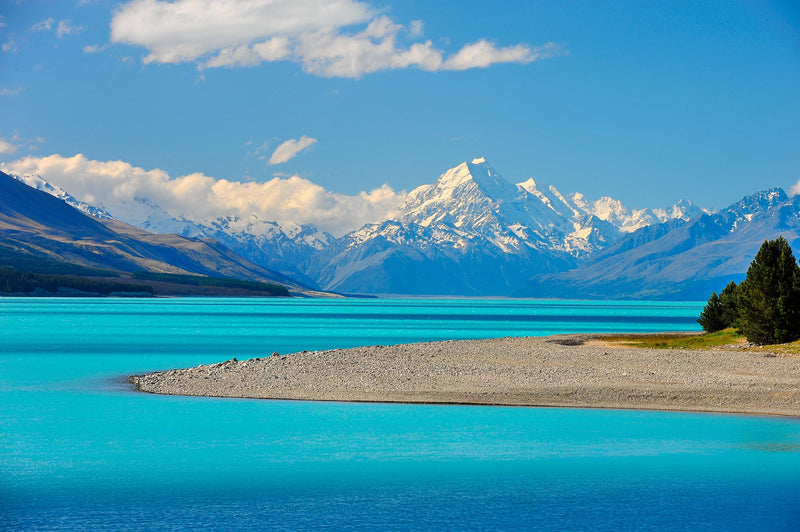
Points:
point(329, 111)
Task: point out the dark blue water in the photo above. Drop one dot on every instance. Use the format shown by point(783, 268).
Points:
point(80, 450)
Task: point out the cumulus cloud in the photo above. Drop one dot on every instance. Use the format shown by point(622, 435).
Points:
point(795, 188)
point(274, 49)
point(330, 54)
point(287, 151)
point(197, 196)
point(245, 33)
point(185, 30)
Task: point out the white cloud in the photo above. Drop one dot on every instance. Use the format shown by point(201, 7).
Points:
point(482, 54)
point(10, 45)
point(330, 54)
point(11, 92)
point(185, 30)
point(415, 28)
point(13, 144)
point(795, 188)
point(94, 48)
point(197, 196)
point(65, 27)
point(245, 33)
point(44, 25)
point(274, 49)
point(6, 147)
point(287, 151)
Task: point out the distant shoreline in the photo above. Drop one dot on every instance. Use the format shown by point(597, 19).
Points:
point(575, 370)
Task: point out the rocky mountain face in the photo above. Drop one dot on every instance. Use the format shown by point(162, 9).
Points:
point(471, 232)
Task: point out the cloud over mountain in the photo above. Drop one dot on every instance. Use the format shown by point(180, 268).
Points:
point(244, 33)
point(294, 199)
point(795, 189)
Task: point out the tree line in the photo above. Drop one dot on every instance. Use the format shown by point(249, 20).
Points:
point(765, 307)
point(271, 289)
point(24, 283)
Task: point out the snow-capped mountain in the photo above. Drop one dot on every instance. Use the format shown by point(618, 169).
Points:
point(685, 260)
point(283, 248)
point(268, 244)
point(469, 232)
point(472, 232)
point(475, 200)
point(147, 214)
point(40, 183)
point(628, 221)
point(473, 196)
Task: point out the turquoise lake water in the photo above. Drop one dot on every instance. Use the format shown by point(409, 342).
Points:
point(80, 450)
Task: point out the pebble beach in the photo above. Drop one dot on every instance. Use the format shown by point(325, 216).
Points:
point(557, 371)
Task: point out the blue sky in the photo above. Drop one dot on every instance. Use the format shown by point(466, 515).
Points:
point(647, 102)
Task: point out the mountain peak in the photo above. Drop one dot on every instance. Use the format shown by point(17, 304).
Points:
point(529, 185)
point(479, 174)
point(760, 201)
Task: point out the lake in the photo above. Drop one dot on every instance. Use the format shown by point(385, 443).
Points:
point(80, 450)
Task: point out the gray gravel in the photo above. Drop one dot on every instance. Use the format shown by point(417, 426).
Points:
point(568, 370)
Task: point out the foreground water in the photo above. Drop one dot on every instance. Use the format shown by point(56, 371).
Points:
point(80, 450)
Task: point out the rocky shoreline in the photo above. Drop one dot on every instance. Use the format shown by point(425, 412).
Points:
point(562, 371)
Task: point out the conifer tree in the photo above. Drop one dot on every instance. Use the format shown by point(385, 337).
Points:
point(769, 298)
point(729, 299)
point(711, 318)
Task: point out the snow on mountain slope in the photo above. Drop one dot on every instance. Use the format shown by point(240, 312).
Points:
point(40, 183)
point(630, 220)
point(147, 214)
point(283, 248)
point(474, 197)
point(680, 260)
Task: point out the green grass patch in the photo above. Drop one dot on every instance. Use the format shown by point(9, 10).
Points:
point(677, 341)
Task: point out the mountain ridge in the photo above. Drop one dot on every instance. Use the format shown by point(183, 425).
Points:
point(471, 232)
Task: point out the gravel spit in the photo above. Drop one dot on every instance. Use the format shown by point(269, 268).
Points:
point(563, 371)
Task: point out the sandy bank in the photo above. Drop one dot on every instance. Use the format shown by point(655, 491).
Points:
point(571, 370)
